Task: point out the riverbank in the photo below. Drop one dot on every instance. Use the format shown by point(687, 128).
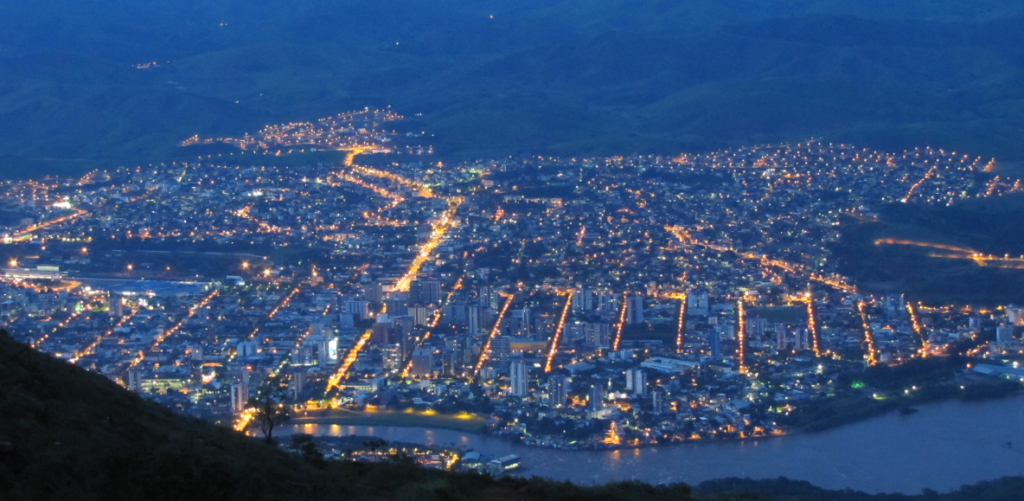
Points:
point(464, 422)
point(945, 445)
point(810, 416)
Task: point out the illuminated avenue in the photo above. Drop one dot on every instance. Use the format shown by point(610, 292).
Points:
point(333, 264)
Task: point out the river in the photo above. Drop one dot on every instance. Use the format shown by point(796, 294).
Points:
point(942, 447)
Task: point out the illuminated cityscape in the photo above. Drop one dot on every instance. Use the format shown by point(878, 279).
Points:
point(646, 299)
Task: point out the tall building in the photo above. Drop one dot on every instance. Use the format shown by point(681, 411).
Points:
point(327, 355)
point(425, 292)
point(381, 333)
point(520, 382)
point(1015, 314)
point(116, 304)
point(716, 349)
point(239, 397)
point(635, 309)
point(501, 352)
point(135, 380)
point(588, 299)
point(419, 314)
point(346, 321)
point(375, 292)
point(756, 326)
point(246, 349)
point(298, 385)
point(657, 401)
point(422, 362)
point(780, 338)
point(596, 401)
point(396, 304)
point(360, 309)
point(1004, 333)
point(558, 390)
point(473, 317)
point(598, 335)
point(636, 382)
point(697, 303)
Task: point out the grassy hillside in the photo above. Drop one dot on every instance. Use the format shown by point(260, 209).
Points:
point(568, 77)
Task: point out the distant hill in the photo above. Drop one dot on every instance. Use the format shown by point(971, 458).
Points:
point(66, 433)
point(493, 77)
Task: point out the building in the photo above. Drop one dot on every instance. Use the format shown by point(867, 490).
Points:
point(1015, 314)
point(473, 318)
point(135, 380)
point(422, 362)
point(596, 401)
point(636, 382)
point(697, 304)
point(519, 377)
point(1004, 334)
point(327, 354)
point(422, 292)
point(635, 310)
point(239, 397)
point(558, 390)
point(360, 309)
point(501, 352)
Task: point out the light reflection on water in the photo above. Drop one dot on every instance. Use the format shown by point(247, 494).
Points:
point(942, 447)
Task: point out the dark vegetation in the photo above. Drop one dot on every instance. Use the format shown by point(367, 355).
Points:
point(987, 225)
point(882, 389)
point(66, 433)
point(541, 77)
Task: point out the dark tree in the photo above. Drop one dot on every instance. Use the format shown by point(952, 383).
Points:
point(269, 411)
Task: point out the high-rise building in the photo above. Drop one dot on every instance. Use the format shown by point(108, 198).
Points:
point(422, 362)
point(361, 309)
point(636, 382)
point(501, 352)
point(598, 335)
point(392, 355)
point(697, 303)
point(1004, 333)
point(419, 314)
point(558, 390)
point(635, 309)
point(657, 401)
point(246, 349)
point(381, 333)
point(588, 299)
point(298, 385)
point(396, 304)
point(756, 327)
point(239, 397)
point(714, 342)
point(596, 401)
point(451, 361)
point(780, 338)
point(375, 292)
point(518, 376)
point(473, 317)
point(346, 321)
point(135, 380)
point(425, 292)
point(116, 304)
point(327, 355)
point(1015, 314)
